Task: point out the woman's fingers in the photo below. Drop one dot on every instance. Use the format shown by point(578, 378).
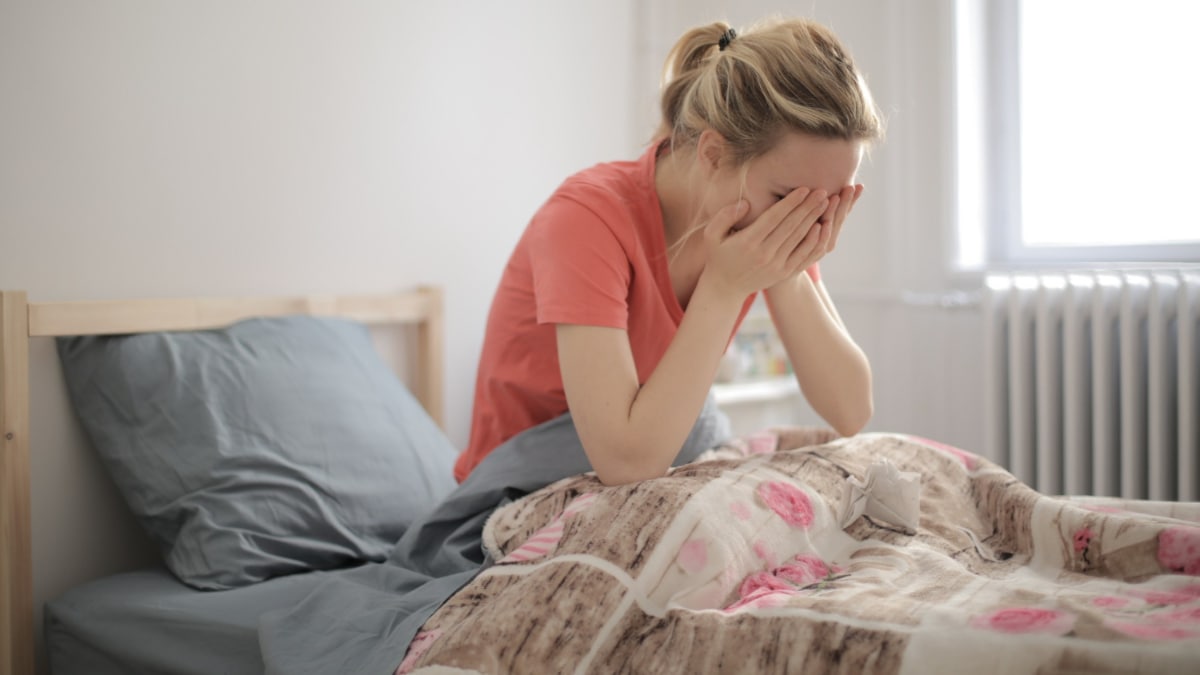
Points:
point(797, 222)
point(840, 208)
point(724, 220)
point(848, 197)
point(798, 230)
point(775, 215)
point(809, 251)
point(789, 236)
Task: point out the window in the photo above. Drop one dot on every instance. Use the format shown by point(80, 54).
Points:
point(1076, 138)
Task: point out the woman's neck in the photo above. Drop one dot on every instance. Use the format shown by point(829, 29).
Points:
point(676, 189)
point(672, 181)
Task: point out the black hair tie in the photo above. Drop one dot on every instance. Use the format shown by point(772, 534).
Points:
point(726, 38)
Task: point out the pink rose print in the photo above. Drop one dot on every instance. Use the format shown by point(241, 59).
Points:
point(763, 550)
point(762, 589)
point(1179, 549)
point(803, 570)
point(759, 443)
point(740, 510)
point(416, 649)
point(1151, 631)
point(693, 555)
point(1186, 615)
point(1110, 602)
point(1083, 537)
point(546, 539)
point(762, 598)
point(788, 501)
point(773, 588)
point(760, 581)
point(762, 443)
point(1164, 597)
point(1026, 620)
point(968, 459)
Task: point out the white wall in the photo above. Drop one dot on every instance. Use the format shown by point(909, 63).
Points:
point(281, 146)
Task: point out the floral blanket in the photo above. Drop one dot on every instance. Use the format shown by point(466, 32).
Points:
point(738, 563)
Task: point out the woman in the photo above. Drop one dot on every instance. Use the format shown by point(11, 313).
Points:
point(630, 281)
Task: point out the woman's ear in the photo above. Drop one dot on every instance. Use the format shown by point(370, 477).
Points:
point(710, 151)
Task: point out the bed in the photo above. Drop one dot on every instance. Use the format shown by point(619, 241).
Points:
point(406, 326)
point(785, 550)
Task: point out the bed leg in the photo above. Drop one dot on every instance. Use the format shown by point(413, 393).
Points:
point(16, 554)
point(430, 371)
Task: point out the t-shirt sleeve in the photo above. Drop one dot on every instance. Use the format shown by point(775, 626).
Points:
point(581, 272)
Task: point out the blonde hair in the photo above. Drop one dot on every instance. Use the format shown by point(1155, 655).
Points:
point(781, 75)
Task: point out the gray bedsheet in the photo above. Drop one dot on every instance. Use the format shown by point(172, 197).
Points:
point(357, 620)
point(362, 620)
point(149, 622)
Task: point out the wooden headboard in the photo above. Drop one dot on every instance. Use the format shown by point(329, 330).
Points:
point(21, 320)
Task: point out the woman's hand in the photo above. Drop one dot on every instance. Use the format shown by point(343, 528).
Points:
point(783, 240)
point(831, 222)
point(841, 204)
point(833, 372)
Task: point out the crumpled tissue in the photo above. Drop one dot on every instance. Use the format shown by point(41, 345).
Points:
point(886, 494)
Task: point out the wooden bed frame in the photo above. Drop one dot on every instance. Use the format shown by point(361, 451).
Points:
point(21, 320)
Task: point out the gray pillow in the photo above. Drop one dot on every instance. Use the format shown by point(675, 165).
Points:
point(271, 447)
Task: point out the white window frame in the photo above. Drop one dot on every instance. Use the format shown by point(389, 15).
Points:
point(989, 154)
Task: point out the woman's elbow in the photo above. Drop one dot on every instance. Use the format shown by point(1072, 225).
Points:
point(610, 478)
point(852, 421)
point(614, 467)
point(624, 474)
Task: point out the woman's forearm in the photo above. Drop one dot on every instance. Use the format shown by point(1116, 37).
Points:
point(832, 371)
point(667, 405)
point(632, 432)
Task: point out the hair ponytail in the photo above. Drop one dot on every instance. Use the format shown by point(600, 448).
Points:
point(779, 76)
point(683, 67)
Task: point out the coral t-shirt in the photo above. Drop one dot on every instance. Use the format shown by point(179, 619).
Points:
point(594, 254)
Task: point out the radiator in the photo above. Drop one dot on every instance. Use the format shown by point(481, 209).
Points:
point(1093, 381)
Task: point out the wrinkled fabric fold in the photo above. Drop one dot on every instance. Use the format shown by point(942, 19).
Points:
point(363, 619)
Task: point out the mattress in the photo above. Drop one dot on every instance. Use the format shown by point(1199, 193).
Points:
point(148, 622)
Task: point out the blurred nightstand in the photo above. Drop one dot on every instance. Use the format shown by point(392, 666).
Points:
point(755, 391)
point(756, 404)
